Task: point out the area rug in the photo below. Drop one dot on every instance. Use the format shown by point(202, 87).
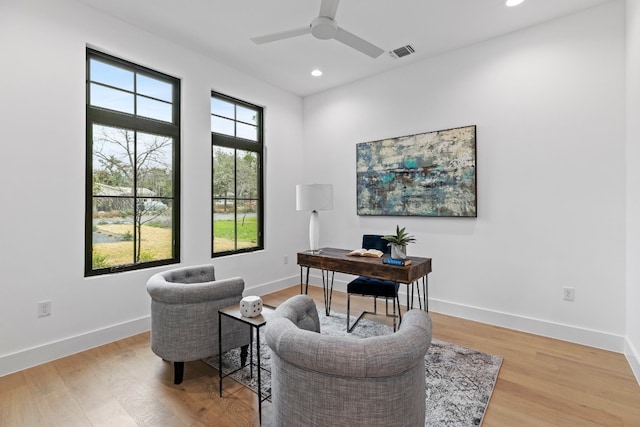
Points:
point(459, 380)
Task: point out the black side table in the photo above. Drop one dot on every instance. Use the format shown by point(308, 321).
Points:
point(256, 323)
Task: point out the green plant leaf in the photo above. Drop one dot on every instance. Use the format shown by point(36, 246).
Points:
point(401, 238)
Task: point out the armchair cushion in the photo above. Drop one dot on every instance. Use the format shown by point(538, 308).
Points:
point(302, 312)
point(347, 381)
point(184, 313)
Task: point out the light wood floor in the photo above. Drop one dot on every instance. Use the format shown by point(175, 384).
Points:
point(542, 382)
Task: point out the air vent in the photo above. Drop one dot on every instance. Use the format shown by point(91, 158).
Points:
point(402, 51)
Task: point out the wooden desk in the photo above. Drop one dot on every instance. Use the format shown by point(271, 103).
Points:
point(330, 260)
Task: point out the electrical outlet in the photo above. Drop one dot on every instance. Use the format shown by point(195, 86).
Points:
point(286, 259)
point(44, 308)
point(569, 293)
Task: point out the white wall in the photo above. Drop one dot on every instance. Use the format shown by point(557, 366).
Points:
point(633, 185)
point(549, 105)
point(43, 179)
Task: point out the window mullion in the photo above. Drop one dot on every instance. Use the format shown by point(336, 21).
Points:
point(122, 120)
point(235, 196)
point(136, 256)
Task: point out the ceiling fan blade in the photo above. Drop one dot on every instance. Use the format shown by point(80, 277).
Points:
point(357, 43)
point(328, 8)
point(281, 35)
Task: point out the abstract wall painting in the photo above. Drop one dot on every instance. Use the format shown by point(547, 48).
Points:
point(427, 174)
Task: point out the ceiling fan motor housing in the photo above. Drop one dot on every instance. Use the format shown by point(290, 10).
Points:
point(324, 28)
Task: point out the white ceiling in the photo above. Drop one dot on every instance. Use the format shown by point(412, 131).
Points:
point(221, 29)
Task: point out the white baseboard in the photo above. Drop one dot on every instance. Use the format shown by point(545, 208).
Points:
point(588, 337)
point(591, 338)
point(44, 353)
point(277, 285)
point(34, 356)
point(633, 357)
point(51, 351)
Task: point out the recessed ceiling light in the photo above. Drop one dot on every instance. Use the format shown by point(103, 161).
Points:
point(511, 3)
point(316, 73)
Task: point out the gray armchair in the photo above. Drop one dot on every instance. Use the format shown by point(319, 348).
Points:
point(320, 380)
point(184, 315)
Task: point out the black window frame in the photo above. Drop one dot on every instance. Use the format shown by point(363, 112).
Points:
point(111, 118)
point(238, 143)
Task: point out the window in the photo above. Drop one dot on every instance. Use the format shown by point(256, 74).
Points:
point(237, 195)
point(133, 145)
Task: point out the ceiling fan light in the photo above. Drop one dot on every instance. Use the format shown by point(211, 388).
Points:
point(512, 3)
point(324, 28)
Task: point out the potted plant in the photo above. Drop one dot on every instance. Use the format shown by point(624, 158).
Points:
point(399, 242)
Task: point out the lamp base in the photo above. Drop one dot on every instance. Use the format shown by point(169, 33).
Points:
point(314, 231)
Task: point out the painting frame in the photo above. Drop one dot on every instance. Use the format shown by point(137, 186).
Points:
point(431, 174)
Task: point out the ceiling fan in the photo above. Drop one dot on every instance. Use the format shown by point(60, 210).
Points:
point(325, 27)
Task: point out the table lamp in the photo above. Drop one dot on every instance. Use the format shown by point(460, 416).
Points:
point(314, 198)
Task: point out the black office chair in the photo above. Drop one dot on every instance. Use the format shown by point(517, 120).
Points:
point(376, 288)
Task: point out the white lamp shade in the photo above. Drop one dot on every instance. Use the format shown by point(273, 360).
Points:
point(314, 197)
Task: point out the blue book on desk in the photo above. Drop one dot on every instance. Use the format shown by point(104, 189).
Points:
point(400, 262)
